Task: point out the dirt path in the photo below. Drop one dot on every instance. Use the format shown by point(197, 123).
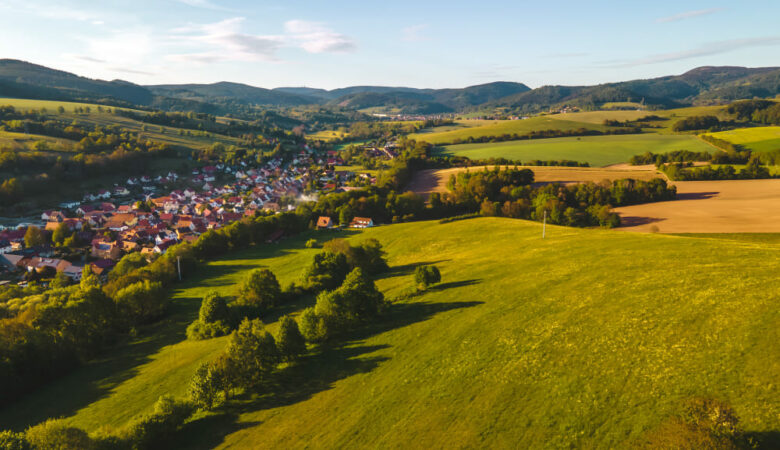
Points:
point(427, 181)
point(731, 206)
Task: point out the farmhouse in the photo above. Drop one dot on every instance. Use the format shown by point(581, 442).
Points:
point(324, 223)
point(361, 222)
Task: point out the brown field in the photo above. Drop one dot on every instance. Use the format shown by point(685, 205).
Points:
point(732, 206)
point(435, 180)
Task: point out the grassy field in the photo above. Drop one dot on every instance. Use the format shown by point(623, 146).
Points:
point(596, 150)
point(327, 135)
point(759, 139)
point(478, 128)
point(585, 339)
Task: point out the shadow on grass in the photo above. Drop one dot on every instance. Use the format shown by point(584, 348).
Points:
point(314, 373)
point(66, 395)
point(406, 269)
point(765, 439)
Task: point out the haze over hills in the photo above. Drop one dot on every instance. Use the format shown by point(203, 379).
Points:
point(697, 86)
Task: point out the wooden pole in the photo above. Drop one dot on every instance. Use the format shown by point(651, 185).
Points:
point(544, 224)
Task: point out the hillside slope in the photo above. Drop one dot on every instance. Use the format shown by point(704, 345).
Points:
point(585, 339)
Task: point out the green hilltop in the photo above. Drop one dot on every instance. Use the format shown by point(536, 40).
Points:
point(588, 338)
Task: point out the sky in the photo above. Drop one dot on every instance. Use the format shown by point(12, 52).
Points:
point(422, 43)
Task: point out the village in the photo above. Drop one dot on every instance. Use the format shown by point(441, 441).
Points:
point(134, 217)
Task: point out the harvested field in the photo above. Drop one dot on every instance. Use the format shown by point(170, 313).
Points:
point(435, 180)
point(732, 206)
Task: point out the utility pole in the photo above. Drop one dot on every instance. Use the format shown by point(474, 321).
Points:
point(178, 265)
point(544, 227)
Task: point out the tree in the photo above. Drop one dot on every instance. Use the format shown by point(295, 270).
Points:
point(213, 308)
point(289, 340)
point(59, 281)
point(33, 237)
point(61, 233)
point(141, 302)
point(254, 351)
point(425, 276)
point(13, 441)
point(327, 271)
point(54, 434)
point(260, 290)
point(205, 387)
point(88, 278)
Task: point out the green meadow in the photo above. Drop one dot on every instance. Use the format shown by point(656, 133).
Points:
point(596, 150)
point(587, 338)
point(759, 139)
point(479, 128)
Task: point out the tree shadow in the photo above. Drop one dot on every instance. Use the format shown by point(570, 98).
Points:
point(697, 195)
point(406, 269)
point(634, 221)
point(314, 373)
point(764, 439)
point(454, 284)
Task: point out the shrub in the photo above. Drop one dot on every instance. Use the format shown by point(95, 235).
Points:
point(54, 434)
point(311, 243)
point(425, 276)
point(13, 441)
point(312, 327)
point(214, 308)
point(155, 429)
point(205, 387)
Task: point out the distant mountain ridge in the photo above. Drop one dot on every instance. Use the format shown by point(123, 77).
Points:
point(700, 85)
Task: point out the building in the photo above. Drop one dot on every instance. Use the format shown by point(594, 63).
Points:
point(324, 223)
point(361, 222)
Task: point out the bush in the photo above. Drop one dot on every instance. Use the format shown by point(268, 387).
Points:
point(313, 327)
point(54, 434)
point(311, 243)
point(214, 318)
point(205, 387)
point(327, 271)
point(425, 276)
point(155, 430)
point(13, 441)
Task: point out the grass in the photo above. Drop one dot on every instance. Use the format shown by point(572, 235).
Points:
point(479, 128)
point(759, 139)
point(596, 150)
point(585, 339)
point(327, 135)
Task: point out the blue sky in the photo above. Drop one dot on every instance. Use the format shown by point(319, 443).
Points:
point(421, 43)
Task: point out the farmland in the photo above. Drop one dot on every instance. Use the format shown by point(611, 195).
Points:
point(732, 206)
point(596, 150)
point(499, 353)
point(758, 139)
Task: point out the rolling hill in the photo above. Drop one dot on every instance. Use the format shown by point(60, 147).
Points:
point(703, 85)
point(588, 338)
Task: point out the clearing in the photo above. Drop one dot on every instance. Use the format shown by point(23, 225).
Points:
point(758, 139)
point(730, 206)
point(585, 339)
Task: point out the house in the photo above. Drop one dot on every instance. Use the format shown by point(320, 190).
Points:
point(102, 266)
point(52, 216)
point(120, 191)
point(106, 250)
point(74, 272)
point(324, 223)
point(361, 222)
point(84, 210)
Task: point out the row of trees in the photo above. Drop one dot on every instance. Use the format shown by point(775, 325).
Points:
point(753, 170)
point(509, 193)
point(758, 111)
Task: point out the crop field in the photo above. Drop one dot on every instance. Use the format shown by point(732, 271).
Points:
point(588, 338)
point(730, 206)
point(758, 139)
point(596, 150)
point(435, 180)
point(500, 127)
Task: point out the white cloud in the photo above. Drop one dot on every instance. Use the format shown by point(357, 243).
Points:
point(414, 33)
point(225, 42)
point(688, 15)
point(315, 37)
point(712, 48)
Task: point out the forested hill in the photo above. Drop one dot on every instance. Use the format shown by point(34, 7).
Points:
point(702, 85)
